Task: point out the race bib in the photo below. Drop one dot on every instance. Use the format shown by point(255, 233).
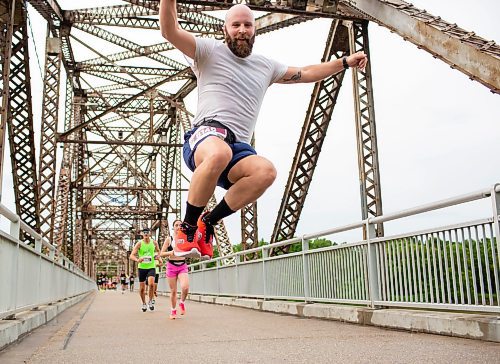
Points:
point(203, 132)
point(146, 259)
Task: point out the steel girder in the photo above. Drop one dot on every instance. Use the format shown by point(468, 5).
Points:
point(323, 100)
point(63, 186)
point(329, 9)
point(80, 165)
point(117, 106)
point(78, 244)
point(20, 122)
point(54, 16)
point(249, 225)
point(121, 86)
point(169, 156)
point(461, 49)
point(150, 71)
point(368, 165)
point(49, 9)
point(7, 15)
point(131, 46)
point(189, 18)
point(249, 229)
point(50, 108)
point(121, 56)
point(127, 103)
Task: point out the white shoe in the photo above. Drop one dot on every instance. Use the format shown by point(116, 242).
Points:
point(144, 307)
point(193, 253)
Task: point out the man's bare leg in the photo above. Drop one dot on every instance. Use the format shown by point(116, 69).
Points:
point(211, 158)
point(251, 176)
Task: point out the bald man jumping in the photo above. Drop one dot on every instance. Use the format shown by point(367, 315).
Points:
point(232, 82)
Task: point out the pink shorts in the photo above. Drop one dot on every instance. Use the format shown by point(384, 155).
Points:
point(174, 270)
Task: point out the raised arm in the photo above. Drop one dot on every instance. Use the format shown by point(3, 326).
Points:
point(318, 72)
point(166, 244)
point(171, 31)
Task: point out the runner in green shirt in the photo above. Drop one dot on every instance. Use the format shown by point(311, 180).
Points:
point(145, 251)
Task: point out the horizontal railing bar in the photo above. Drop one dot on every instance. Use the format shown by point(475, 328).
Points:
point(449, 202)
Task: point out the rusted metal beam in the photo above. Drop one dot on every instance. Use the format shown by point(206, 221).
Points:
point(463, 50)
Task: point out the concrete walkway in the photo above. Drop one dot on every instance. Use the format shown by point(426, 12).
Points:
point(109, 327)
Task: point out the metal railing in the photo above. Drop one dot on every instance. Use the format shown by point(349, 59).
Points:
point(453, 267)
point(31, 277)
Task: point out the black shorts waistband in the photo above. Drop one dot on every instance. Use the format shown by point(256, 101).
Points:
point(177, 263)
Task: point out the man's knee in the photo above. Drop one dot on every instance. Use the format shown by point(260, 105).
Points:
point(266, 174)
point(218, 160)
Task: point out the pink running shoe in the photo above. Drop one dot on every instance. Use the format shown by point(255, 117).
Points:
point(173, 314)
point(183, 308)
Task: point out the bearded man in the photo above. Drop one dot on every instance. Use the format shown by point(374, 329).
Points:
point(232, 82)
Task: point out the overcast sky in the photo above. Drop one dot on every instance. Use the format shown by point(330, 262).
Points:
point(438, 132)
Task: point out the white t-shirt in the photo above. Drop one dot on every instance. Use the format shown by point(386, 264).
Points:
point(230, 88)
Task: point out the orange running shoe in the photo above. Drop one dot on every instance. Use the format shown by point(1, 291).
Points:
point(186, 242)
point(206, 237)
point(173, 314)
point(183, 308)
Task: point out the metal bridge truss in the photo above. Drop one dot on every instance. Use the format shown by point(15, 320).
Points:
point(17, 114)
point(120, 167)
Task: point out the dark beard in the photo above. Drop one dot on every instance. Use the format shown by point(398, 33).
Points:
point(240, 50)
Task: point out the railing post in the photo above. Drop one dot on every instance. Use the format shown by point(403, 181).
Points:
point(237, 261)
point(16, 275)
point(305, 265)
point(38, 244)
point(15, 227)
point(265, 254)
point(52, 253)
point(495, 201)
point(374, 290)
point(218, 277)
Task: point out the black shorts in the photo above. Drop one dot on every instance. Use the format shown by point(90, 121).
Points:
point(157, 276)
point(122, 282)
point(145, 273)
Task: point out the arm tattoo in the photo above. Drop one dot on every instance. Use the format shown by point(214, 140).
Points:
point(294, 78)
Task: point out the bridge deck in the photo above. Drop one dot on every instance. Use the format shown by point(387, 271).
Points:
point(109, 327)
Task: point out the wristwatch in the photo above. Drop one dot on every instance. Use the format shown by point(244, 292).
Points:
point(344, 62)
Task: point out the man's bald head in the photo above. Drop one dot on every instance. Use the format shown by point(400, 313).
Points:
point(239, 10)
point(239, 30)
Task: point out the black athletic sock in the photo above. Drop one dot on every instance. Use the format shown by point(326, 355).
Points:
point(220, 211)
point(193, 213)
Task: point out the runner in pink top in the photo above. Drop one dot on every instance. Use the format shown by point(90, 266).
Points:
point(177, 269)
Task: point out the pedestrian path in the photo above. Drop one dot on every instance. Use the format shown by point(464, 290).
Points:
point(109, 327)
